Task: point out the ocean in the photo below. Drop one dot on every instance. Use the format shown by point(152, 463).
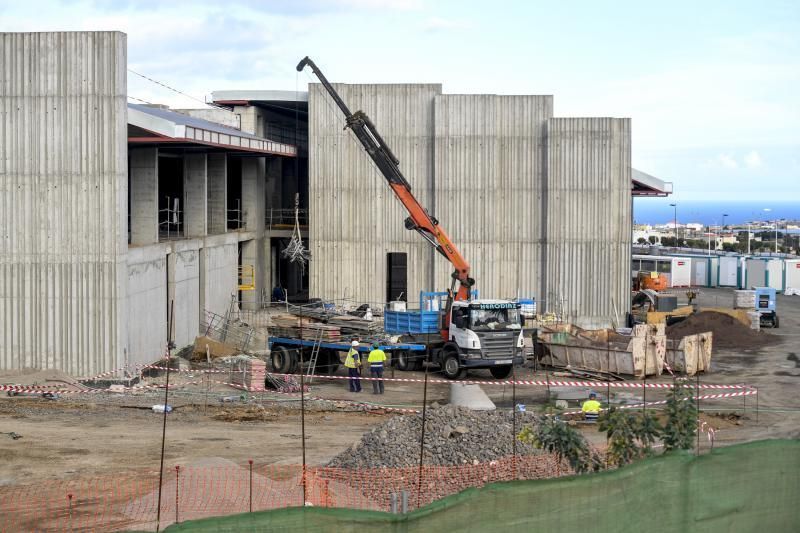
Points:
point(709, 213)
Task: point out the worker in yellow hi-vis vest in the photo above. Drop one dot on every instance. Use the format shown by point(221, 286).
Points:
point(591, 408)
point(353, 364)
point(376, 359)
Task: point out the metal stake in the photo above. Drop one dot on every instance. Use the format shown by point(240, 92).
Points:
point(177, 484)
point(422, 436)
point(166, 403)
point(250, 462)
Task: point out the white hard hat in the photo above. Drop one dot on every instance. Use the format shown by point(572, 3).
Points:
point(354, 343)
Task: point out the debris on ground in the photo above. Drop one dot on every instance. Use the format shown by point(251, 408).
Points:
point(453, 436)
point(251, 413)
point(729, 333)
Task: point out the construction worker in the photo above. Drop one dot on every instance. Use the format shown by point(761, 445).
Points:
point(353, 364)
point(591, 408)
point(376, 359)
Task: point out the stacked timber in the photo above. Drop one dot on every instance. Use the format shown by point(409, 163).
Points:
point(356, 327)
point(307, 328)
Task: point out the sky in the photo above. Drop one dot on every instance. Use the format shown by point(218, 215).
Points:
point(711, 87)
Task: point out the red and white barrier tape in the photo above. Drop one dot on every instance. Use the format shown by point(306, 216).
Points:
point(663, 402)
point(504, 383)
point(369, 406)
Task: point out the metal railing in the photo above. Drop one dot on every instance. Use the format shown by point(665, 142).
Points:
point(284, 218)
point(170, 221)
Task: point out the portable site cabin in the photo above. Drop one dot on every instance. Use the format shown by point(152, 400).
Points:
point(678, 270)
point(791, 274)
point(731, 271)
point(764, 272)
point(705, 270)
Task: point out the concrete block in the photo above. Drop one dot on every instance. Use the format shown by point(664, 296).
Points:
point(471, 397)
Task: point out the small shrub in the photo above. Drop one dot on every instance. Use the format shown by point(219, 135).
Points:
point(679, 431)
point(557, 437)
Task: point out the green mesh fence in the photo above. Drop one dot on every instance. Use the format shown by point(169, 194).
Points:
point(743, 488)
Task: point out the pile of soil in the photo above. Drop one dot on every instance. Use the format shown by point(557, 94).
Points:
point(729, 333)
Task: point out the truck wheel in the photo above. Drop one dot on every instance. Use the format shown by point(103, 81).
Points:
point(452, 368)
point(403, 362)
point(500, 372)
point(280, 360)
point(330, 362)
point(294, 360)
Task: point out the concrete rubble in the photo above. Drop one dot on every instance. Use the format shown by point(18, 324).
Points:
point(453, 436)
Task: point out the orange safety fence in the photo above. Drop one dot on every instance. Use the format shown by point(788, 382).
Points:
point(130, 501)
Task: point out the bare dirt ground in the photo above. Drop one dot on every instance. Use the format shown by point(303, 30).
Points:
point(93, 435)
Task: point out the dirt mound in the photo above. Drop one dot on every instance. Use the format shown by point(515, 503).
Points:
point(729, 333)
point(453, 436)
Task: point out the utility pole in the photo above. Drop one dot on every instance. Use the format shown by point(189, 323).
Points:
point(675, 221)
point(748, 239)
point(776, 235)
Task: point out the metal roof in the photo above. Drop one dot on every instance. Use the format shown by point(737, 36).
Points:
point(259, 96)
point(171, 127)
point(646, 185)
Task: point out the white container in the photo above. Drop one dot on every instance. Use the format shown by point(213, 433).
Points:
point(678, 270)
point(764, 272)
point(729, 271)
point(744, 299)
point(755, 320)
point(791, 278)
point(397, 306)
point(681, 275)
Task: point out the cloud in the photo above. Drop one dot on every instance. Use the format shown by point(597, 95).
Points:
point(436, 24)
point(753, 160)
point(726, 161)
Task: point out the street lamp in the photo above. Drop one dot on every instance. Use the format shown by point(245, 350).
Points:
point(675, 221)
point(767, 210)
point(723, 220)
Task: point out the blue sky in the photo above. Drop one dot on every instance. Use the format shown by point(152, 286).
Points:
point(712, 87)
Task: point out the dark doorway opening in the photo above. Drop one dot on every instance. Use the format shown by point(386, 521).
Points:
point(288, 276)
point(235, 212)
point(170, 197)
point(396, 276)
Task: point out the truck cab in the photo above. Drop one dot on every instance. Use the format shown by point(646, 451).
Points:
point(481, 334)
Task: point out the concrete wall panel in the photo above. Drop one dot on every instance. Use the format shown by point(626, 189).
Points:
point(354, 218)
point(488, 185)
point(183, 275)
point(63, 200)
point(589, 219)
point(219, 261)
point(147, 303)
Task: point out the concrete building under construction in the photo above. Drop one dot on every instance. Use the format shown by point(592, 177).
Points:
point(111, 212)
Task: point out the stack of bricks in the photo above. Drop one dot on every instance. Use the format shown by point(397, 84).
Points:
point(250, 374)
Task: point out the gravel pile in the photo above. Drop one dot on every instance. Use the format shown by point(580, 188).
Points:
point(453, 436)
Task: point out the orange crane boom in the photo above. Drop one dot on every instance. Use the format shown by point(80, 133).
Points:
point(419, 219)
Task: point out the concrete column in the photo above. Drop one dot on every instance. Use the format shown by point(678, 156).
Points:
point(274, 182)
point(195, 192)
point(253, 193)
point(217, 193)
point(144, 195)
